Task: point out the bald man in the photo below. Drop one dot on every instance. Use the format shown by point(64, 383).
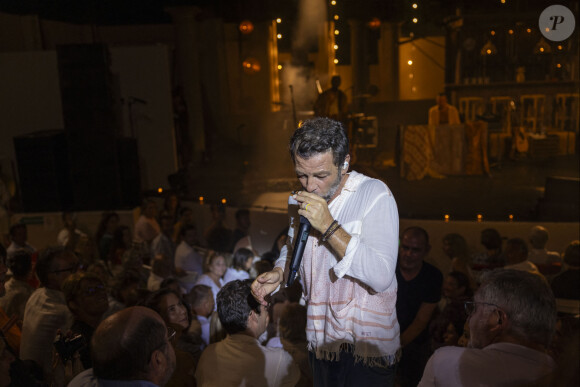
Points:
point(130, 348)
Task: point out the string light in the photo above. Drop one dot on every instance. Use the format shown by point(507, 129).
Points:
point(336, 17)
point(415, 20)
point(502, 1)
point(511, 32)
point(415, 5)
point(446, 218)
point(529, 30)
point(559, 65)
point(333, 2)
point(409, 62)
point(492, 33)
point(335, 61)
point(201, 200)
point(224, 201)
point(335, 46)
point(560, 47)
point(160, 190)
point(278, 20)
point(511, 217)
point(479, 217)
point(336, 32)
point(279, 36)
point(279, 67)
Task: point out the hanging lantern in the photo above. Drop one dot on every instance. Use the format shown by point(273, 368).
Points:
point(246, 27)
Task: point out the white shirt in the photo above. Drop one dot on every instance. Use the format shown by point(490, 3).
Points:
point(204, 322)
point(242, 361)
point(163, 245)
point(45, 313)
point(14, 248)
point(206, 280)
point(235, 274)
point(543, 257)
point(352, 301)
point(501, 364)
point(188, 259)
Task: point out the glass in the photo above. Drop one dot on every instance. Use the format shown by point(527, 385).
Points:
point(471, 305)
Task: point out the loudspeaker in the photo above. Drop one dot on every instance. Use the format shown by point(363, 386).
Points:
point(43, 171)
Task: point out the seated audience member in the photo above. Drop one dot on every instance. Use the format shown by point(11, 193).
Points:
point(242, 262)
point(216, 268)
point(447, 327)
point(121, 243)
point(455, 290)
point(455, 247)
point(70, 235)
point(566, 285)
point(188, 262)
point(147, 228)
point(217, 235)
point(86, 298)
point(176, 316)
point(99, 268)
point(161, 269)
point(19, 237)
point(105, 233)
point(549, 263)
point(201, 301)
point(185, 217)
point(130, 348)
point(512, 321)
point(516, 256)
point(124, 291)
point(491, 257)
point(419, 291)
point(18, 291)
point(292, 329)
point(46, 310)
point(246, 361)
point(163, 243)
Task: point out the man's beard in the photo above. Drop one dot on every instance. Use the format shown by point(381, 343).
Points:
point(333, 188)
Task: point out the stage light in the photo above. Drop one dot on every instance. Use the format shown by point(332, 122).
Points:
point(246, 27)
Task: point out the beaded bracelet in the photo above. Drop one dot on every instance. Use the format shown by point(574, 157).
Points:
point(331, 229)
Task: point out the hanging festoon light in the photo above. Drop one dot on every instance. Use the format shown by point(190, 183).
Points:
point(246, 27)
point(542, 47)
point(488, 49)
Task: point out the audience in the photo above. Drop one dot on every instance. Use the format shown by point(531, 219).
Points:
point(202, 303)
point(172, 206)
point(163, 243)
point(185, 217)
point(86, 298)
point(130, 348)
point(491, 257)
point(188, 262)
point(147, 228)
point(455, 247)
point(512, 321)
point(566, 285)
point(242, 226)
point(516, 256)
point(105, 234)
point(120, 244)
point(18, 291)
point(246, 361)
point(161, 269)
point(419, 291)
point(217, 236)
point(70, 236)
point(216, 268)
point(241, 264)
point(176, 316)
point(18, 238)
point(46, 310)
point(538, 253)
point(124, 291)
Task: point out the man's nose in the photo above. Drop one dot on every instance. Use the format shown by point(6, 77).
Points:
point(310, 185)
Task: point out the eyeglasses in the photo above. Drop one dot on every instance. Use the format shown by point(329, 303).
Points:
point(470, 306)
point(92, 290)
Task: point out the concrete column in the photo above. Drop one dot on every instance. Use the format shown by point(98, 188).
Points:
point(187, 70)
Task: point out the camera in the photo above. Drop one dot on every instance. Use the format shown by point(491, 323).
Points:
point(67, 346)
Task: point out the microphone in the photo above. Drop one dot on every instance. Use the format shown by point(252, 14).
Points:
point(299, 246)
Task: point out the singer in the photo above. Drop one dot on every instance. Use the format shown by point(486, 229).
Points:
point(348, 265)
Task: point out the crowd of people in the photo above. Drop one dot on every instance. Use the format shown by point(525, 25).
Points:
point(159, 304)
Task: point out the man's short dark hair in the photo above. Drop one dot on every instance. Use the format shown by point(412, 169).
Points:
point(45, 262)
point(16, 227)
point(127, 357)
point(234, 304)
point(418, 231)
point(20, 263)
point(320, 135)
point(198, 294)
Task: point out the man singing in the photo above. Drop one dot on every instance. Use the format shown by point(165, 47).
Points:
point(348, 267)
